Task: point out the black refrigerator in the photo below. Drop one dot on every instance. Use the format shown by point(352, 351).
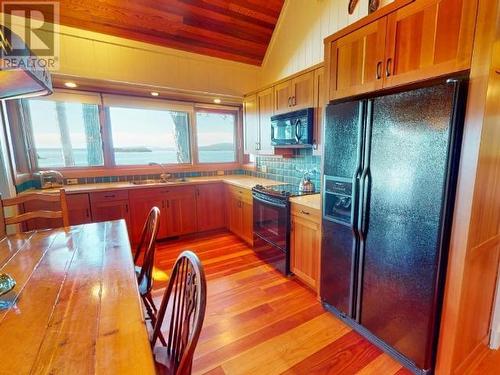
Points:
point(389, 178)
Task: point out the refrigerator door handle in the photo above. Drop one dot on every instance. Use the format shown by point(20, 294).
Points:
point(363, 220)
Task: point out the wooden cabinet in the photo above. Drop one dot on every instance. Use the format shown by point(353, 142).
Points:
point(179, 213)
point(294, 94)
point(251, 124)
point(429, 39)
point(319, 106)
point(421, 40)
point(210, 207)
point(265, 103)
point(305, 244)
point(356, 61)
point(240, 212)
point(283, 97)
point(112, 205)
point(257, 122)
point(79, 211)
point(177, 210)
point(141, 202)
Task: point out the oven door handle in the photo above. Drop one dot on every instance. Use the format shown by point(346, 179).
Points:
point(264, 201)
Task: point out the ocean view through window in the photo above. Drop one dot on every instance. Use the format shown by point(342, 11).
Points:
point(83, 131)
point(216, 135)
point(64, 134)
point(141, 136)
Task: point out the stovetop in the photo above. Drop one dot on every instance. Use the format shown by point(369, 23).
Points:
point(283, 190)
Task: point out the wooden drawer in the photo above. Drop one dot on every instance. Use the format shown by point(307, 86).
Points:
point(114, 195)
point(243, 193)
point(306, 212)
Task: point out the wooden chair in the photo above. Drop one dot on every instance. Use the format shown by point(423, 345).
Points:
point(187, 295)
point(144, 272)
point(38, 214)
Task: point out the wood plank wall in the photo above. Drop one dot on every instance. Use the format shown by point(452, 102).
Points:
point(297, 41)
point(475, 243)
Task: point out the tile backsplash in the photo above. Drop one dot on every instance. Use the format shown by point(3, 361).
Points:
point(289, 170)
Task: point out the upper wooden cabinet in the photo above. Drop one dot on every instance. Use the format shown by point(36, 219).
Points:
point(428, 39)
point(294, 94)
point(251, 124)
point(356, 61)
point(258, 109)
point(415, 42)
point(265, 103)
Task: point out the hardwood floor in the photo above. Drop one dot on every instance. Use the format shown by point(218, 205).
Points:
point(259, 322)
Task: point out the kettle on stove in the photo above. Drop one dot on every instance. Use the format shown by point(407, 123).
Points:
point(306, 185)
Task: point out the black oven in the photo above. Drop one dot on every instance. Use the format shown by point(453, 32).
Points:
point(271, 228)
point(293, 128)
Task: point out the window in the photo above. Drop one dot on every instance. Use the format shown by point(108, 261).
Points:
point(142, 136)
point(64, 133)
point(71, 129)
point(216, 135)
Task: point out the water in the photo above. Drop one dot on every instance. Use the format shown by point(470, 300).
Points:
point(53, 158)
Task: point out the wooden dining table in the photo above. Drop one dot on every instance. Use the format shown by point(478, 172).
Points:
point(75, 308)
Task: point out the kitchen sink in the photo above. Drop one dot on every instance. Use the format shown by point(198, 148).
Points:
point(163, 182)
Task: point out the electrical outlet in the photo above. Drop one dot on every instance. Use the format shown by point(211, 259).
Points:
point(263, 168)
point(72, 181)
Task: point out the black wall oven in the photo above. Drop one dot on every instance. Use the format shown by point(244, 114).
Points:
point(271, 228)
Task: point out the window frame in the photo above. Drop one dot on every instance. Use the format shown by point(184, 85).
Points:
point(110, 168)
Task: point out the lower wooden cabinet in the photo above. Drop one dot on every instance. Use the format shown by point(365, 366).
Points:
point(210, 207)
point(305, 241)
point(112, 205)
point(179, 212)
point(240, 212)
point(79, 211)
point(141, 202)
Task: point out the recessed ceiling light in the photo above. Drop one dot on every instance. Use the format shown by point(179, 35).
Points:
point(71, 85)
point(217, 101)
point(154, 93)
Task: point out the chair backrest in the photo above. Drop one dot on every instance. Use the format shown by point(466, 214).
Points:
point(187, 294)
point(147, 246)
point(38, 214)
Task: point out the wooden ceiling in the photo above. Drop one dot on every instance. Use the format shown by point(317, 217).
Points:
point(238, 30)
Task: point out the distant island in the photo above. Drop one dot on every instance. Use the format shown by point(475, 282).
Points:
point(133, 149)
point(218, 147)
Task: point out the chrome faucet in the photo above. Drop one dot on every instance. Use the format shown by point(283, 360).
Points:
point(165, 175)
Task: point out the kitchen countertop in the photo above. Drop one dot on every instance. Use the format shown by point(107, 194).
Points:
point(313, 201)
point(246, 182)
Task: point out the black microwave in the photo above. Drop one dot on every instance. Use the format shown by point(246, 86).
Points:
point(293, 128)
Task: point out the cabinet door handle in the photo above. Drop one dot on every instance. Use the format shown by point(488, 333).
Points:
point(168, 204)
point(388, 67)
point(87, 213)
point(304, 212)
point(109, 196)
point(378, 72)
point(126, 208)
point(289, 101)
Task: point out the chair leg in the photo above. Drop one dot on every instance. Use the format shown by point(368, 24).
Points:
point(152, 311)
